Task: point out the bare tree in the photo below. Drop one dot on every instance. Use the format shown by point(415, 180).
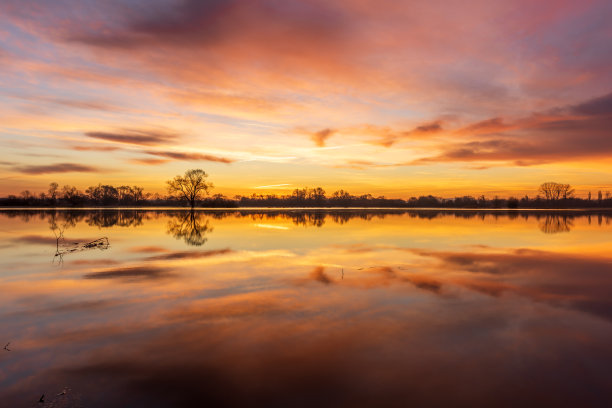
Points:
point(567, 191)
point(556, 191)
point(53, 187)
point(189, 187)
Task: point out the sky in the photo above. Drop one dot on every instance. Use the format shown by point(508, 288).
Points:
point(393, 98)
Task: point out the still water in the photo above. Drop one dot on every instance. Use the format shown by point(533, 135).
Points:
point(317, 308)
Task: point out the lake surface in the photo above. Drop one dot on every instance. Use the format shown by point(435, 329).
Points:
point(317, 308)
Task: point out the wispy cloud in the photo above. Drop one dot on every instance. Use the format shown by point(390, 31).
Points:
point(55, 168)
point(190, 156)
point(136, 137)
point(273, 186)
point(149, 162)
point(95, 148)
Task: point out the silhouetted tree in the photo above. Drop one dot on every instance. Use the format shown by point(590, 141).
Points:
point(317, 194)
point(556, 191)
point(71, 195)
point(103, 194)
point(53, 192)
point(190, 186)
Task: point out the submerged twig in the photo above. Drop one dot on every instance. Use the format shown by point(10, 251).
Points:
point(62, 248)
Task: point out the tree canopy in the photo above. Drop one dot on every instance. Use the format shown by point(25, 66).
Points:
point(556, 191)
point(189, 187)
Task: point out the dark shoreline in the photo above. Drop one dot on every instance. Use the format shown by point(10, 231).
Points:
point(388, 210)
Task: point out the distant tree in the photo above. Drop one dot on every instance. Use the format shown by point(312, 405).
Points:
point(53, 187)
point(341, 195)
point(70, 194)
point(137, 194)
point(299, 194)
point(189, 187)
point(599, 196)
point(103, 194)
point(513, 202)
point(317, 194)
point(123, 193)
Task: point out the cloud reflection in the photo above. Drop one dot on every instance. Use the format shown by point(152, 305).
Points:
point(133, 274)
point(423, 311)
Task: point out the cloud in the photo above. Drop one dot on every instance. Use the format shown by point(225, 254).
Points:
point(190, 156)
point(149, 162)
point(561, 134)
point(55, 168)
point(282, 185)
point(488, 126)
point(230, 104)
point(595, 107)
point(336, 65)
point(321, 136)
point(195, 23)
point(95, 148)
point(137, 137)
point(427, 129)
point(388, 136)
point(76, 103)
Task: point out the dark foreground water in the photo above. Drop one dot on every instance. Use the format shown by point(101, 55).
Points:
point(164, 308)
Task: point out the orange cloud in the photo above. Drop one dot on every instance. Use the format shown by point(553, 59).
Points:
point(190, 156)
point(55, 168)
point(321, 136)
point(137, 137)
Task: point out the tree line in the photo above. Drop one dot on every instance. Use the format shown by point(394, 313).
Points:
point(552, 196)
point(193, 189)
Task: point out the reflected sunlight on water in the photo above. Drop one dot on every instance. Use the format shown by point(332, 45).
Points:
point(326, 308)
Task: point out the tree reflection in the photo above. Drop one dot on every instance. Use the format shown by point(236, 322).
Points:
point(554, 224)
point(190, 226)
point(183, 222)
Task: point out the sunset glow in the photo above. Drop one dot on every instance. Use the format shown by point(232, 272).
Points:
point(389, 97)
